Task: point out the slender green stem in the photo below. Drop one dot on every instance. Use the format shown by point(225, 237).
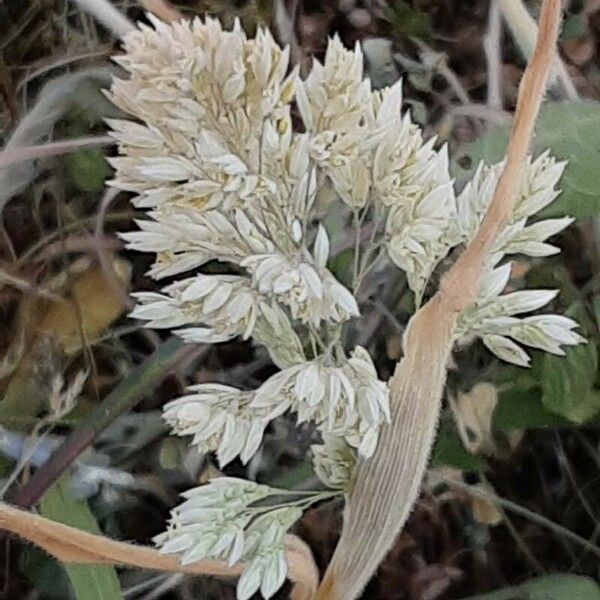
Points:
point(302, 503)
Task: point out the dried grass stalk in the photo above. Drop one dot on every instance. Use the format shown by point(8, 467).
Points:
point(74, 546)
point(16, 155)
point(108, 15)
point(386, 486)
point(524, 31)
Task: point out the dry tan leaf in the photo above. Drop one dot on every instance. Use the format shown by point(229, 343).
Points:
point(485, 511)
point(473, 413)
point(455, 488)
point(48, 329)
point(95, 301)
point(393, 347)
point(71, 545)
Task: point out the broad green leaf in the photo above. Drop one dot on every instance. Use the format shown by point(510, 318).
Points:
point(44, 573)
point(567, 381)
point(566, 395)
point(448, 451)
point(571, 130)
point(89, 582)
point(520, 408)
point(550, 587)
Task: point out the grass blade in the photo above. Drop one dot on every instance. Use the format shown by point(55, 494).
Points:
point(89, 582)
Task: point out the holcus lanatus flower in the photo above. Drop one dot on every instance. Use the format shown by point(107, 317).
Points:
point(211, 151)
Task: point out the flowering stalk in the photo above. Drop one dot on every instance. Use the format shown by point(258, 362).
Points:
point(240, 204)
point(386, 486)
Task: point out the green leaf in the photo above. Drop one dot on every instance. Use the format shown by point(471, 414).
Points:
point(550, 587)
point(89, 582)
point(87, 169)
point(571, 130)
point(44, 573)
point(407, 21)
point(567, 383)
point(520, 408)
point(448, 451)
point(293, 478)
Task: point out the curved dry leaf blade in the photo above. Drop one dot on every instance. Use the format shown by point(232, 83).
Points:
point(71, 545)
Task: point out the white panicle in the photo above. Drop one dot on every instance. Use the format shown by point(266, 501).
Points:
point(220, 419)
point(264, 552)
point(311, 293)
point(492, 316)
point(274, 330)
point(537, 191)
point(237, 201)
point(224, 305)
point(225, 520)
point(345, 400)
point(334, 461)
point(334, 95)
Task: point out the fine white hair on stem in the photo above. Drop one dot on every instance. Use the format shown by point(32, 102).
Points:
point(71, 545)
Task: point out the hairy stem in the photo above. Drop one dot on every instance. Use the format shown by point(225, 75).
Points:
point(70, 545)
point(387, 485)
